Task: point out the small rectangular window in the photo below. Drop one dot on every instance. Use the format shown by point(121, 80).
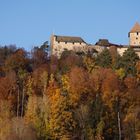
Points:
point(137, 33)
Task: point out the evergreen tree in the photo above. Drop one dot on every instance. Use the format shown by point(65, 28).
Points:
point(104, 59)
point(129, 60)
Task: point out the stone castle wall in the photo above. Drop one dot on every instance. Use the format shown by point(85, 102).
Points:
point(59, 47)
point(134, 39)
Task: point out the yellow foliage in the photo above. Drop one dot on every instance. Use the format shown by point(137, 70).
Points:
point(61, 118)
point(35, 114)
point(121, 73)
point(89, 63)
point(65, 83)
point(5, 119)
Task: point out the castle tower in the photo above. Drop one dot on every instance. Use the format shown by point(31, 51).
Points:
point(134, 35)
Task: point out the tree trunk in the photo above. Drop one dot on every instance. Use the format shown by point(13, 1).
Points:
point(18, 98)
point(119, 125)
point(22, 106)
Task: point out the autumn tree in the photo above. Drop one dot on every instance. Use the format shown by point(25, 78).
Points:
point(138, 70)
point(79, 86)
point(61, 121)
point(5, 52)
point(16, 61)
point(130, 107)
point(40, 80)
point(111, 97)
point(34, 116)
point(20, 130)
point(8, 89)
point(39, 56)
point(5, 118)
point(68, 60)
point(89, 63)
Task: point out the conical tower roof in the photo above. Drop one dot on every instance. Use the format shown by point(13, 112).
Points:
point(136, 28)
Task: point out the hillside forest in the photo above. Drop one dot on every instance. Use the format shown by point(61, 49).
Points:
point(77, 97)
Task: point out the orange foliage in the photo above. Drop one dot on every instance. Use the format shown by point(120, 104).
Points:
point(8, 87)
point(130, 82)
point(79, 84)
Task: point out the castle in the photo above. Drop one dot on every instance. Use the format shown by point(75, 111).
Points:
point(134, 36)
point(63, 43)
point(59, 44)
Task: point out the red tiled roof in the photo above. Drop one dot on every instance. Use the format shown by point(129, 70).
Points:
point(136, 28)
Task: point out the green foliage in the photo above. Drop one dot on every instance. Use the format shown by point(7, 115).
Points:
point(129, 60)
point(104, 59)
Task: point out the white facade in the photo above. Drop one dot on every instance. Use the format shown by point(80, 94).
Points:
point(134, 39)
point(121, 50)
point(99, 48)
point(57, 47)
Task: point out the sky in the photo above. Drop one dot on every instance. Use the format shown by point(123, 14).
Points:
point(28, 23)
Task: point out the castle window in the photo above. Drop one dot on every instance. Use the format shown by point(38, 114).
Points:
point(65, 49)
point(136, 38)
point(65, 42)
point(137, 33)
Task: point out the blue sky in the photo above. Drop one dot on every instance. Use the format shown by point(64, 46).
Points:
point(28, 23)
